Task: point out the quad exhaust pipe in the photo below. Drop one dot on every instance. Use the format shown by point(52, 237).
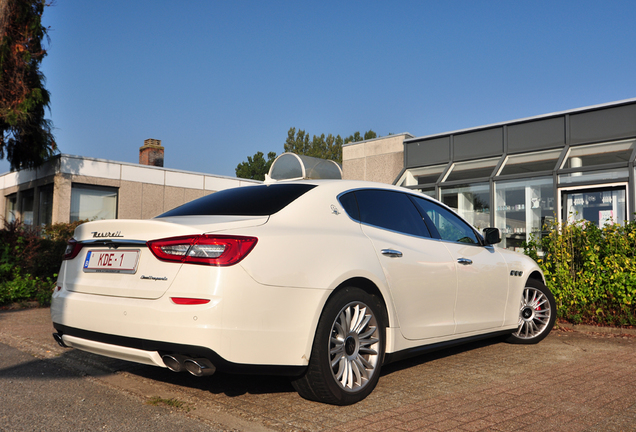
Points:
point(198, 367)
point(174, 362)
point(59, 340)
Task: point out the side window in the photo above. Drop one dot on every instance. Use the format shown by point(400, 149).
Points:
point(390, 210)
point(350, 205)
point(449, 225)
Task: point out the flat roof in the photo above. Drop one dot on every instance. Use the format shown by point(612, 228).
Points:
point(526, 119)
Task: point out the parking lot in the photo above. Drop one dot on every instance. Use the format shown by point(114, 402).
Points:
point(572, 381)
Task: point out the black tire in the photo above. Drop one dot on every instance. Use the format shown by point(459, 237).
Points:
point(356, 353)
point(537, 313)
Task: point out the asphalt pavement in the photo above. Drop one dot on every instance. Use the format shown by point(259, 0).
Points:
point(577, 379)
point(40, 395)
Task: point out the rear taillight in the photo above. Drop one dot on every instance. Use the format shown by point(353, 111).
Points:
point(216, 250)
point(73, 248)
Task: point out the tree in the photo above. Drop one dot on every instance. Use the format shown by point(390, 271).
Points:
point(328, 147)
point(370, 135)
point(26, 138)
point(256, 167)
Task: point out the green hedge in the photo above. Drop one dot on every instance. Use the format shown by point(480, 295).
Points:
point(590, 270)
point(30, 259)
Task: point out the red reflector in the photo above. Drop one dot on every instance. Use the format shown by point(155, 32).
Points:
point(189, 301)
point(215, 250)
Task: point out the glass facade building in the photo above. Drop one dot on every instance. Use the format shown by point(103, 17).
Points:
point(520, 176)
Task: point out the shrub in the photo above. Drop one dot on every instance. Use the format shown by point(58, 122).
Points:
point(20, 245)
point(590, 270)
point(30, 259)
point(23, 288)
point(52, 241)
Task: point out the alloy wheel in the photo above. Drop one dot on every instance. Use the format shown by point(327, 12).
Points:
point(534, 314)
point(353, 346)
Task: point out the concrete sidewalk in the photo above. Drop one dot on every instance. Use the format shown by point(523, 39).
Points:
point(572, 381)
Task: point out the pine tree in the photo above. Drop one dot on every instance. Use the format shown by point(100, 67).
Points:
point(26, 139)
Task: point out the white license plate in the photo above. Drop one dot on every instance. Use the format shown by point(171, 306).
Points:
point(109, 261)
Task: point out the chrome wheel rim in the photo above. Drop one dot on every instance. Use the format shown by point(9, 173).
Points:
point(354, 346)
point(534, 314)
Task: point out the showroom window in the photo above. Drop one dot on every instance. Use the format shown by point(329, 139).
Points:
point(530, 163)
point(599, 154)
point(426, 191)
point(594, 176)
point(93, 202)
point(421, 176)
point(472, 202)
point(596, 155)
point(471, 170)
point(523, 208)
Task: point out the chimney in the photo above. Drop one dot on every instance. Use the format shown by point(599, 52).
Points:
point(151, 153)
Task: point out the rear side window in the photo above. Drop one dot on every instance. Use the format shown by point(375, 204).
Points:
point(262, 200)
point(350, 205)
point(389, 210)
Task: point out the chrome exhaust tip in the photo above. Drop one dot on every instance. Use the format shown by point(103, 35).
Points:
point(174, 362)
point(59, 340)
point(199, 367)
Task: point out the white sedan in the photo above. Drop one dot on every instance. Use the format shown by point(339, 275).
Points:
point(324, 281)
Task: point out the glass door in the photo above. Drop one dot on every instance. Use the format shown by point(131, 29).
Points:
point(599, 205)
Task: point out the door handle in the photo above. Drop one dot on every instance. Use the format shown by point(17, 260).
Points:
point(391, 253)
point(464, 261)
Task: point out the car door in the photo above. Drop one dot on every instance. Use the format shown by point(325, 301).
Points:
point(420, 271)
point(482, 274)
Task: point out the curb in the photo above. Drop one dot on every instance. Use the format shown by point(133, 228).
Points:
point(596, 329)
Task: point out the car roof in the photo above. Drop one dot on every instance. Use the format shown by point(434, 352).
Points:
point(345, 185)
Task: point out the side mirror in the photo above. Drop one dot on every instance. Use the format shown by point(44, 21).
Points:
point(492, 236)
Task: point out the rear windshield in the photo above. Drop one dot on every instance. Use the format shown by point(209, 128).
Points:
point(243, 201)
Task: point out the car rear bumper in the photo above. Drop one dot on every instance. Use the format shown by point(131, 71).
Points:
point(150, 352)
point(244, 322)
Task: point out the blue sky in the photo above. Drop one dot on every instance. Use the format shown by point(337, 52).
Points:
point(217, 81)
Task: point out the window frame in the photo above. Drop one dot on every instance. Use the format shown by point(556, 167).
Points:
point(85, 186)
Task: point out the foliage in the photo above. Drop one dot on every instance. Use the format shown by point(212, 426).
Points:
point(19, 246)
point(590, 270)
point(328, 147)
point(61, 231)
point(23, 288)
point(52, 241)
point(30, 259)
point(25, 135)
point(256, 167)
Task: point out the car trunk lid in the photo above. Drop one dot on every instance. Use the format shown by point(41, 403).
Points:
point(115, 261)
